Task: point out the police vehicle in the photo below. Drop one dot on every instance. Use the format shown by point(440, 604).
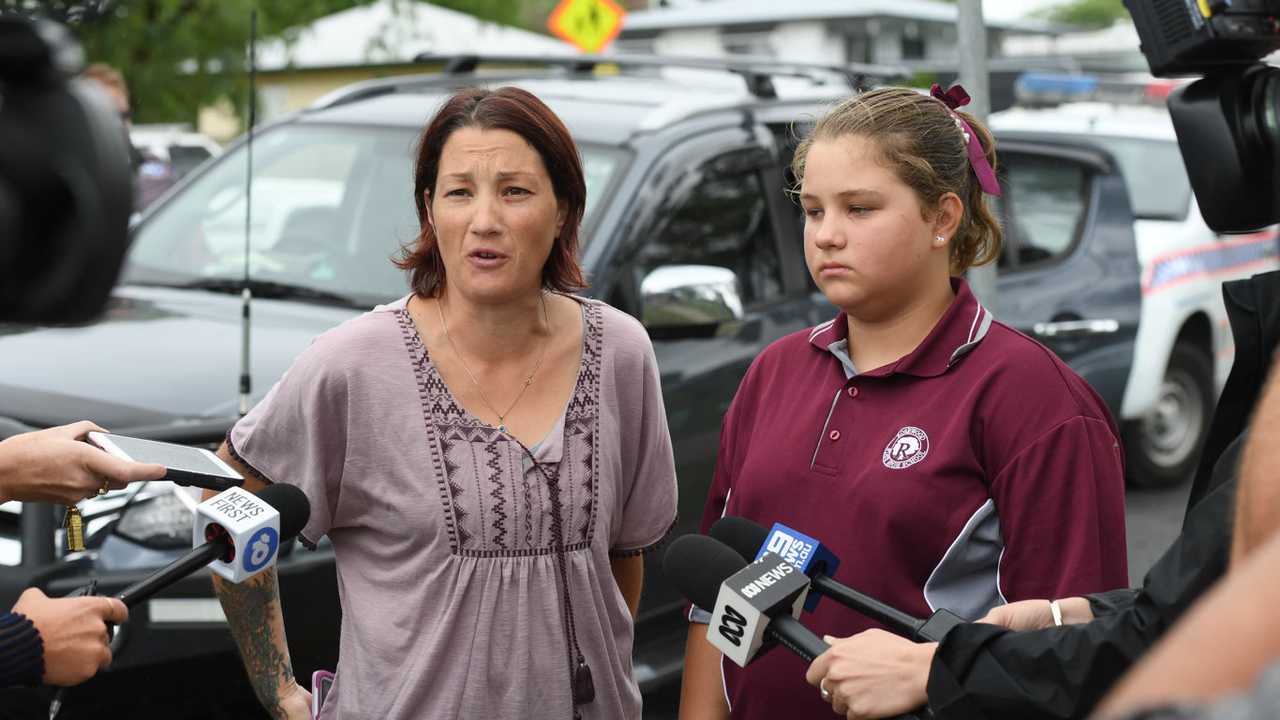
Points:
point(1183, 350)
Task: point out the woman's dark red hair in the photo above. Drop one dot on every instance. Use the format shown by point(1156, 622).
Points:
point(519, 111)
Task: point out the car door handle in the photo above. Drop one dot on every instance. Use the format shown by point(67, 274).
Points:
point(1076, 328)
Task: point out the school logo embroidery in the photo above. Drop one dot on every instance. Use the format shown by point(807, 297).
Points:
point(907, 448)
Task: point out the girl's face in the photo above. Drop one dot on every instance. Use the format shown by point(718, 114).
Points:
point(867, 242)
point(496, 214)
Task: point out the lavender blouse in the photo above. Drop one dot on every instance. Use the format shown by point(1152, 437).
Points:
point(442, 529)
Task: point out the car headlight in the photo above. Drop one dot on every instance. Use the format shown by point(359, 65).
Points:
point(160, 522)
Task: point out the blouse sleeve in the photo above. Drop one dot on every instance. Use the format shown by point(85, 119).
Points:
point(650, 492)
point(297, 435)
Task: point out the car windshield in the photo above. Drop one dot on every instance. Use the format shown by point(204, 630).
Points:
point(1154, 174)
point(330, 207)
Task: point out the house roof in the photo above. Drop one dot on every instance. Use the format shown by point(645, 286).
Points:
point(748, 12)
point(391, 31)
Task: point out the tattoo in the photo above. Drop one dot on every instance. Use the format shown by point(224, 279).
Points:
point(253, 610)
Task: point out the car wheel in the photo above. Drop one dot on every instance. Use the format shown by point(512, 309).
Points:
point(1163, 447)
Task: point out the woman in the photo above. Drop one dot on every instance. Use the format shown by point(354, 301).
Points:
point(489, 455)
point(948, 460)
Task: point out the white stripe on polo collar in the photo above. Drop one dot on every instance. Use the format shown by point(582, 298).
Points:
point(818, 330)
point(976, 314)
point(977, 331)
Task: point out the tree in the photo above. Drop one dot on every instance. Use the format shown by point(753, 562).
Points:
point(177, 55)
point(180, 55)
point(1088, 13)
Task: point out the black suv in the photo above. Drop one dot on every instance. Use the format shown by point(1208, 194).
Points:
point(687, 227)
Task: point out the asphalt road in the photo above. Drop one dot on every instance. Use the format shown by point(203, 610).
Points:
point(1153, 519)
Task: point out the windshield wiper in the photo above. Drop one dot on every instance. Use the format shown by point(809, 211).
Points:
point(270, 290)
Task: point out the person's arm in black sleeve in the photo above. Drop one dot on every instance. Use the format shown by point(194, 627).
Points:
point(21, 651)
point(1112, 601)
point(986, 671)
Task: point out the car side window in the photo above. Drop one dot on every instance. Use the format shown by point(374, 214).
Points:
point(185, 158)
point(722, 219)
point(787, 137)
point(1047, 198)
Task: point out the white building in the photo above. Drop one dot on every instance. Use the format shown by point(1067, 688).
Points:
point(902, 32)
point(378, 40)
point(1112, 49)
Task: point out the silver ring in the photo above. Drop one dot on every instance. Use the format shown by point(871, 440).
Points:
point(822, 688)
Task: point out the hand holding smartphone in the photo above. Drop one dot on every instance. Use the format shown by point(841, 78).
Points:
point(186, 465)
point(321, 681)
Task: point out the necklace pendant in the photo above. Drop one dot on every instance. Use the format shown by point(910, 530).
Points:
point(502, 428)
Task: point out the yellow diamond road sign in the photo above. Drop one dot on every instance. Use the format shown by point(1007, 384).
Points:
point(587, 24)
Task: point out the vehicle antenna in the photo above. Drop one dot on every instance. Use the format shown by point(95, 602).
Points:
point(246, 292)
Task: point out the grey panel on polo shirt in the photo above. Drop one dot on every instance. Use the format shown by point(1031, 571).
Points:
point(967, 579)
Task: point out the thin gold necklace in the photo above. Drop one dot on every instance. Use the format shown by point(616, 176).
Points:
point(502, 417)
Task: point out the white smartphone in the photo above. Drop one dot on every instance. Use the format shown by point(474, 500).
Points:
point(187, 465)
point(321, 681)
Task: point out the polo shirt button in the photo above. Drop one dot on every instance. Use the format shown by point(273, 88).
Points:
point(835, 435)
point(853, 391)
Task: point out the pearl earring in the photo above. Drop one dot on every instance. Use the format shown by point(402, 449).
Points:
point(939, 240)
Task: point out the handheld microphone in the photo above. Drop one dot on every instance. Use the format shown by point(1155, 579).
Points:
point(755, 604)
point(242, 534)
point(807, 554)
point(750, 539)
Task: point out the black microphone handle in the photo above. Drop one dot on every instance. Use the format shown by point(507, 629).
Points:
point(173, 572)
point(794, 636)
point(897, 621)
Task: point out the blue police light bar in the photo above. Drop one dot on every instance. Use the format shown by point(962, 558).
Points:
point(1054, 87)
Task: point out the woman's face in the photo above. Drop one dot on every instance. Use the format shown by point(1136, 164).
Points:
point(496, 214)
point(868, 246)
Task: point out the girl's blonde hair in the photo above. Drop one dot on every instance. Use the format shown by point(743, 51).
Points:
point(919, 140)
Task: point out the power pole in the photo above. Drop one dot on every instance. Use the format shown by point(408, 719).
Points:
point(972, 33)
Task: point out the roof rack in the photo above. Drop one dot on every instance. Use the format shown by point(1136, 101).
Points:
point(756, 73)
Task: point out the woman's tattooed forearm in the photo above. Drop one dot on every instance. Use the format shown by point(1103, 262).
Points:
point(251, 608)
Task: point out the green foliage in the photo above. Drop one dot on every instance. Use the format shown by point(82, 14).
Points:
point(1088, 13)
point(180, 55)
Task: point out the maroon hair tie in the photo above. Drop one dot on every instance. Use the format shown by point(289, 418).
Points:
point(954, 98)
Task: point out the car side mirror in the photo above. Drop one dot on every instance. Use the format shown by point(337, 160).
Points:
point(689, 301)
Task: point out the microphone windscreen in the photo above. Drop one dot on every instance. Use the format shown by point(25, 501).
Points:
point(741, 534)
point(697, 564)
point(293, 506)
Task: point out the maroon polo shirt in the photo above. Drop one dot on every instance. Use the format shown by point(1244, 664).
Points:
point(977, 469)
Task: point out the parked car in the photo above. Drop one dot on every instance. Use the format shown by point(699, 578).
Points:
point(688, 228)
point(177, 145)
point(1184, 349)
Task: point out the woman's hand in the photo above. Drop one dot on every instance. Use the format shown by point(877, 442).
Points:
point(873, 674)
point(294, 704)
point(53, 465)
point(73, 632)
point(1036, 614)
